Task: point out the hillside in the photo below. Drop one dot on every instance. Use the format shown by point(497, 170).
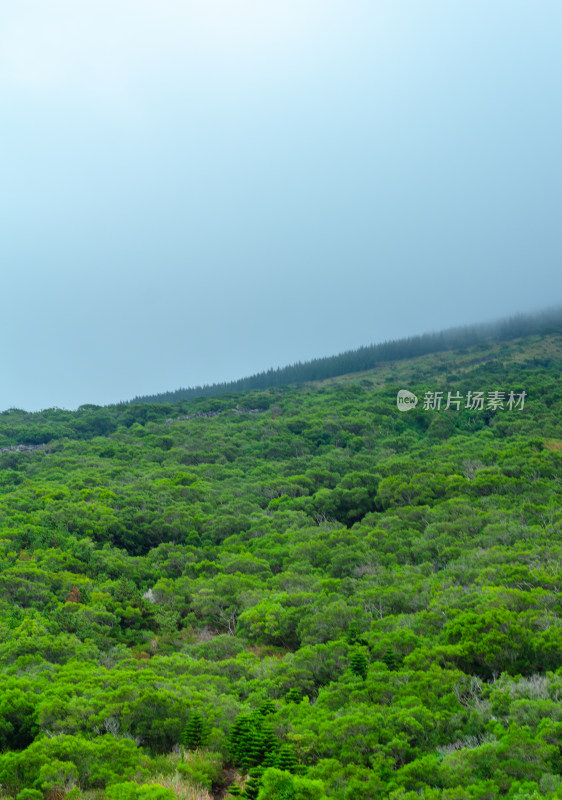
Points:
point(316, 595)
point(378, 356)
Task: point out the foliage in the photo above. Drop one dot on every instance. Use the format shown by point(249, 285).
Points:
point(316, 595)
point(194, 733)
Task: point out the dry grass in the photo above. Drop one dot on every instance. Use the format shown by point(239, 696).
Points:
point(553, 444)
point(182, 789)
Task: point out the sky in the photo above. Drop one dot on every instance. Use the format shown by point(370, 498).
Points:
point(192, 191)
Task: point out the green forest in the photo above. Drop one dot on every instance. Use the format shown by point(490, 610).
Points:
point(295, 592)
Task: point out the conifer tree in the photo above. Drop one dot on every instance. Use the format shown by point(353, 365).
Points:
point(193, 734)
point(293, 696)
point(359, 665)
point(253, 785)
point(286, 759)
point(390, 659)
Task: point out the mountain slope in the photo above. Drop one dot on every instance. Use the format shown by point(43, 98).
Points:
point(321, 595)
point(377, 355)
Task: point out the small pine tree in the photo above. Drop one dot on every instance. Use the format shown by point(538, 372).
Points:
point(193, 734)
point(256, 749)
point(293, 696)
point(251, 739)
point(253, 785)
point(241, 741)
point(252, 789)
point(286, 759)
point(390, 659)
point(358, 665)
point(266, 708)
point(269, 760)
point(352, 633)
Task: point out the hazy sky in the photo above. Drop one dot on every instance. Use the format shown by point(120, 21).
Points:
point(196, 190)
